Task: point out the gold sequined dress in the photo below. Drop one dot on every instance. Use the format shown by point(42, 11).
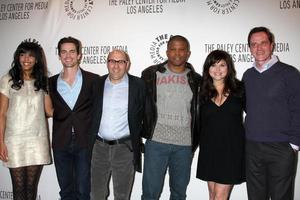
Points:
point(26, 133)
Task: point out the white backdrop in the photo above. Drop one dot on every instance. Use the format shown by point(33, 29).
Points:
point(142, 28)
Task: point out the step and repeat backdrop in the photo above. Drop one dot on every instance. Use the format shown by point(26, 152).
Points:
point(142, 28)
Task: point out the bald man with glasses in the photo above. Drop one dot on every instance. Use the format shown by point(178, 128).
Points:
point(117, 129)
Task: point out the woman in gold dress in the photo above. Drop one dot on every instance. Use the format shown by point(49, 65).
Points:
point(24, 104)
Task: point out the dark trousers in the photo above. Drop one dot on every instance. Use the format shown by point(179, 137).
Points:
point(73, 172)
point(270, 170)
point(116, 162)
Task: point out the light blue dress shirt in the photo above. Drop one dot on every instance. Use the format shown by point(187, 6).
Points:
point(114, 120)
point(68, 92)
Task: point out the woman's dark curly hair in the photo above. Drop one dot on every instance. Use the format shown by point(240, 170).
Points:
point(39, 72)
point(232, 84)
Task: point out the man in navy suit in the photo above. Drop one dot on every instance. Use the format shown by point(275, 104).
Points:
point(73, 95)
point(117, 128)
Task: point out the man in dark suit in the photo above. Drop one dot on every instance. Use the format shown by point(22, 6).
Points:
point(117, 127)
point(73, 94)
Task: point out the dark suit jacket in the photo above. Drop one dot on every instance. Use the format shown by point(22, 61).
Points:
point(80, 117)
point(136, 104)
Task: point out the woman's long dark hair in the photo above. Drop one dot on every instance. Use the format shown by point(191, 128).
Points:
point(231, 84)
point(39, 72)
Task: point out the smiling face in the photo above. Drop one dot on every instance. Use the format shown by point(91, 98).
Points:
point(261, 48)
point(178, 53)
point(69, 56)
point(27, 61)
point(218, 71)
point(117, 65)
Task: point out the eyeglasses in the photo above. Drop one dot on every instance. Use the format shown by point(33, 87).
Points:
point(120, 62)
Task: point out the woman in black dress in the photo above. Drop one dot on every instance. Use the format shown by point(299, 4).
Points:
point(221, 100)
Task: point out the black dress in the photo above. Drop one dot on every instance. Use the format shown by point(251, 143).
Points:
point(222, 139)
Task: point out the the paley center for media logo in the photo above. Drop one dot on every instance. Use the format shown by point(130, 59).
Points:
point(158, 48)
point(78, 9)
point(222, 7)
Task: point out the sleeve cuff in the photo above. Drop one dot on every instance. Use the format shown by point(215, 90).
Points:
point(295, 147)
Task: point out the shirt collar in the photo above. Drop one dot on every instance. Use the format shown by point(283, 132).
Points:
point(78, 74)
point(124, 80)
point(267, 65)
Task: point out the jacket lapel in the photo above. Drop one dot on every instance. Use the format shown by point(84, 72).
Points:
point(58, 96)
point(131, 96)
point(83, 88)
point(101, 95)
